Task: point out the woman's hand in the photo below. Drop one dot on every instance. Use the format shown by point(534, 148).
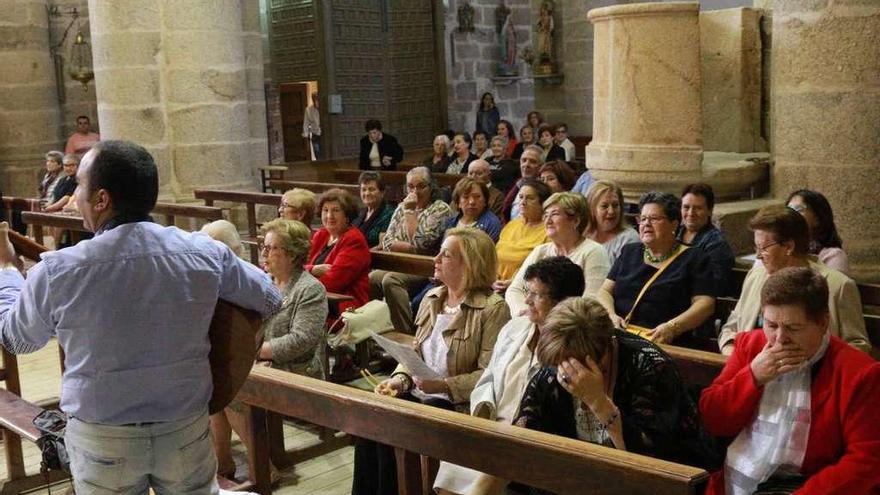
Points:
point(583, 381)
point(318, 271)
point(431, 386)
point(661, 334)
point(386, 160)
point(500, 286)
point(391, 387)
point(775, 360)
point(410, 201)
point(617, 321)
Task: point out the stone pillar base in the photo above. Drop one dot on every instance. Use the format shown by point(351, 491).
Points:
point(641, 168)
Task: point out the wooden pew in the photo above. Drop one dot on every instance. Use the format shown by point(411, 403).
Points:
point(315, 187)
point(250, 200)
point(413, 264)
point(563, 465)
point(396, 177)
point(74, 222)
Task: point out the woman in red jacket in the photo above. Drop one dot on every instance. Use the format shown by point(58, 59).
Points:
point(339, 257)
point(799, 403)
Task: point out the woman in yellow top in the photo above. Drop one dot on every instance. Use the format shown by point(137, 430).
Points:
point(521, 234)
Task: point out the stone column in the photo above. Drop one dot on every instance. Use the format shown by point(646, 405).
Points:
point(172, 76)
point(647, 123)
point(28, 97)
point(826, 120)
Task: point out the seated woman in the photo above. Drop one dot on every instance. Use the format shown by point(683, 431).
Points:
point(612, 388)
point(376, 215)
point(53, 174)
point(607, 225)
point(799, 404)
point(824, 239)
point(457, 325)
point(417, 226)
point(298, 204)
point(697, 230)
point(378, 150)
point(522, 234)
point(471, 199)
point(565, 220)
point(65, 186)
point(552, 151)
point(293, 337)
point(505, 130)
point(497, 394)
point(782, 240)
point(481, 145)
point(505, 171)
point(659, 288)
point(461, 145)
point(557, 175)
point(439, 159)
point(339, 257)
point(526, 139)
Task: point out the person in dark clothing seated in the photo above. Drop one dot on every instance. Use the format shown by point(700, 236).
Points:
point(696, 230)
point(610, 387)
point(379, 150)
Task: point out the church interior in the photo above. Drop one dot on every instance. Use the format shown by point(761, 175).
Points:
point(240, 101)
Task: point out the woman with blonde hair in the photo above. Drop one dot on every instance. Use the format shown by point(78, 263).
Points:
point(298, 204)
point(293, 337)
point(607, 225)
point(456, 328)
point(225, 232)
point(565, 220)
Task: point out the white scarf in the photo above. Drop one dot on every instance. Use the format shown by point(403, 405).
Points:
point(777, 436)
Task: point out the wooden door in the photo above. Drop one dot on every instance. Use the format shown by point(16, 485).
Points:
point(294, 98)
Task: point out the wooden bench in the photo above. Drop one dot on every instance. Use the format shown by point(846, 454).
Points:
point(315, 187)
point(396, 177)
point(413, 264)
point(250, 200)
point(74, 222)
point(563, 465)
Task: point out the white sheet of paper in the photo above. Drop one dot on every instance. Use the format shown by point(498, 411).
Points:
point(408, 357)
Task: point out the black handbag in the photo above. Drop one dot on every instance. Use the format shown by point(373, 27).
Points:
point(51, 424)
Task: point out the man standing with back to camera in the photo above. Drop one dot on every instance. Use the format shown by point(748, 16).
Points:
point(131, 308)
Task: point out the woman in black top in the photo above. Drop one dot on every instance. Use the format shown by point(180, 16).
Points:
point(379, 151)
point(613, 388)
point(682, 298)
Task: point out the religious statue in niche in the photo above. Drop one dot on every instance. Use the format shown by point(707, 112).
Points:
point(507, 39)
point(546, 64)
point(465, 18)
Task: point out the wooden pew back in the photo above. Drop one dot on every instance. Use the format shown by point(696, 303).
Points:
point(563, 465)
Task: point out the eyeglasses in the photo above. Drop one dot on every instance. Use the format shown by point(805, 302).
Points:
point(553, 214)
point(416, 187)
point(763, 249)
point(537, 295)
point(265, 248)
point(285, 205)
point(652, 220)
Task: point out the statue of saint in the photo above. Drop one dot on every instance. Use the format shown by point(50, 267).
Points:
point(544, 45)
point(507, 37)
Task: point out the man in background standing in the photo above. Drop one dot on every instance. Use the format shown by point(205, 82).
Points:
point(312, 127)
point(83, 139)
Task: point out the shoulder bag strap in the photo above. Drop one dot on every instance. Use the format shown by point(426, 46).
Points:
point(660, 269)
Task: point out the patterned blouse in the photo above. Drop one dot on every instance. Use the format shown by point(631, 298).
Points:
point(428, 234)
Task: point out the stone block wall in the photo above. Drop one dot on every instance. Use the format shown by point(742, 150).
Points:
point(471, 64)
point(75, 100)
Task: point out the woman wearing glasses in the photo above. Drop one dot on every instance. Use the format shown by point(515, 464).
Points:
point(565, 220)
point(782, 239)
point(298, 204)
point(658, 287)
point(825, 242)
point(293, 337)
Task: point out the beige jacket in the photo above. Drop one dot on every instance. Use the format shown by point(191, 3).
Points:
point(470, 337)
point(844, 304)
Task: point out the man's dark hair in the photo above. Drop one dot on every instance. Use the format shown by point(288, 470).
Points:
point(373, 124)
point(562, 277)
point(700, 189)
point(84, 117)
point(128, 173)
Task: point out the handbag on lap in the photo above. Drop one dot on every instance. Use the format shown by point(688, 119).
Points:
point(355, 324)
point(642, 331)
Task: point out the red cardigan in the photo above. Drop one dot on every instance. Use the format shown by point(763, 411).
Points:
point(843, 450)
point(350, 265)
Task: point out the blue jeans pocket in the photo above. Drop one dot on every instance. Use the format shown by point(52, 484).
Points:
point(98, 473)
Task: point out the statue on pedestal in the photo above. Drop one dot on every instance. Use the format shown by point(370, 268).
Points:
point(546, 64)
point(507, 38)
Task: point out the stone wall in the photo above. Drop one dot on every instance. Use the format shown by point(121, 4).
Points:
point(471, 63)
point(75, 100)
